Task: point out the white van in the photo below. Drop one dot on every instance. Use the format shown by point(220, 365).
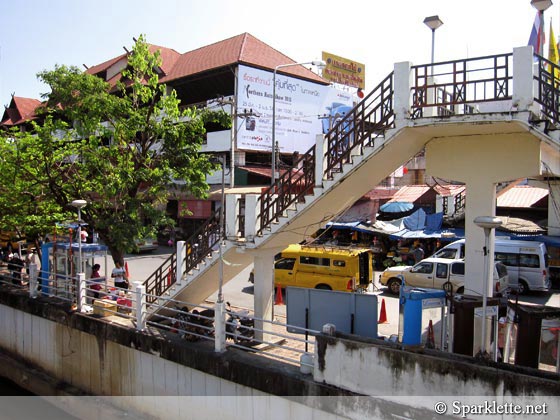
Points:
point(526, 261)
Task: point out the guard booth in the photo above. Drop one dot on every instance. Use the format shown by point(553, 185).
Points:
point(422, 317)
point(60, 264)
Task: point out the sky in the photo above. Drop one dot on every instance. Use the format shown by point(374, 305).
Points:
point(35, 35)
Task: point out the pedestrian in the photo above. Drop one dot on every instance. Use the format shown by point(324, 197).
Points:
point(15, 265)
point(418, 253)
point(96, 277)
point(119, 276)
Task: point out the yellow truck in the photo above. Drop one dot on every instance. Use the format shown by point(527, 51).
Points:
point(324, 267)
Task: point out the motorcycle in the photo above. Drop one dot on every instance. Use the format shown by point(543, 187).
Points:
point(240, 326)
point(194, 325)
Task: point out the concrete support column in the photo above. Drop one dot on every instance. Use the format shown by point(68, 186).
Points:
point(320, 159)
point(33, 280)
point(251, 218)
point(81, 296)
point(264, 289)
point(232, 216)
point(181, 256)
point(219, 327)
point(402, 75)
point(523, 83)
point(554, 208)
point(140, 305)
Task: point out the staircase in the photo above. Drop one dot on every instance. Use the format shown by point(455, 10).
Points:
point(374, 138)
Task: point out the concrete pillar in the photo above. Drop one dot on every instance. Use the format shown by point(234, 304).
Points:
point(402, 76)
point(33, 280)
point(523, 84)
point(219, 327)
point(553, 208)
point(81, 296)
point(181, 255)
point(481, 161)
point(232, 215)
point(251, 220)
point(264, 288)
point(140, 305)
point(320, 159)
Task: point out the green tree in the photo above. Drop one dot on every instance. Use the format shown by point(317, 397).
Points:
point(119, 147)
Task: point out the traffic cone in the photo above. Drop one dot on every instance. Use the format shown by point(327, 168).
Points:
point(430, 342)
point(279, 299)
point(383, 313)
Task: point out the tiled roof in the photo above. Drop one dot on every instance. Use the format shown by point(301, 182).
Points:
point(20, 110)
point(410, 193)
point(240, 49)
point(523, 196)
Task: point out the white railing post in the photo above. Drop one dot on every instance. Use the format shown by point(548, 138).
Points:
point(523, 83)
point(402, 75)
point(81, 298)
point(33, 280)
point(181, 256)
point(140, 305)
point(320, 159)
point(219, 327)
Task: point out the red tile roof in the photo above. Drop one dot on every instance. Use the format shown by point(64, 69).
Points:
point(240, 49)
point(521, 196)
point(410, 193)
point(20, 110)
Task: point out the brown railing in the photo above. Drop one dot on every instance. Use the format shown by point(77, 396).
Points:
point(548, 88)
point(359, 127)
point(454, 87)
point(198, 247)
point(292, 185)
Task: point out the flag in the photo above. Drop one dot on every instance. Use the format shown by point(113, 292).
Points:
point(537, 37)
point(553, 54)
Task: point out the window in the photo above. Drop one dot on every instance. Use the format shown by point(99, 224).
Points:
point(315, 261)
point(339, 263)
point(507, 258)
point(458, 268)
point(424, 268)
point(441, 271)
point(285, 264)
point(447, 253)
point(529, 260)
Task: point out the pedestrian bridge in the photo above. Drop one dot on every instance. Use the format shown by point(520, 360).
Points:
point(481, 121)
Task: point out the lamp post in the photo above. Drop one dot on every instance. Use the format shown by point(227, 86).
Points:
point(433, 22)
point(487, 223)
point(541, 6)
point(222, 161)
point(320, 64)
point(79, 204)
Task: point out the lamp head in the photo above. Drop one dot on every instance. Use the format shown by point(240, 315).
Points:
point(433, 22)
point(488, 222)
point(79, 204)
point(320, 64)
point(541, 5)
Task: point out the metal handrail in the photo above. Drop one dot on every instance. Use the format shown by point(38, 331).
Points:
point(548, 88)
point(449, 84)
point(361, 126)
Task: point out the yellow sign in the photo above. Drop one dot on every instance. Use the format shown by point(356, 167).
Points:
point(343, 71)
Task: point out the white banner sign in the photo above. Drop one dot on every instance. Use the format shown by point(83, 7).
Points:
point(303, 110)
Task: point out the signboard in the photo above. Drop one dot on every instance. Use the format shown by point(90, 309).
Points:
point(301, 109)
point(433, 303)
point(344, 71)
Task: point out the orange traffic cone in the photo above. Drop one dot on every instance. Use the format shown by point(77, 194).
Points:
point(383, 313)
point(279, 299)
point(430, 342)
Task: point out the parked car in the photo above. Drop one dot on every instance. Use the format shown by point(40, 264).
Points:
point(437, 273)
point(526, 262)
point(146, 245)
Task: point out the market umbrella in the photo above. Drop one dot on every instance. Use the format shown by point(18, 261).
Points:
point(396, 207)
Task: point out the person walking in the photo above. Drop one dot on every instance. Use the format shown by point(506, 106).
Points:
point(119, 276)
point(418, 253)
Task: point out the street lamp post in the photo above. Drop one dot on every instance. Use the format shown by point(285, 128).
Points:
point(79, 204)
point(320, 64)
point(541, 6)
point(433, 22)
point(487, 223)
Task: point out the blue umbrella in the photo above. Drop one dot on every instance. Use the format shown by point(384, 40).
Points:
point(396, 207)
